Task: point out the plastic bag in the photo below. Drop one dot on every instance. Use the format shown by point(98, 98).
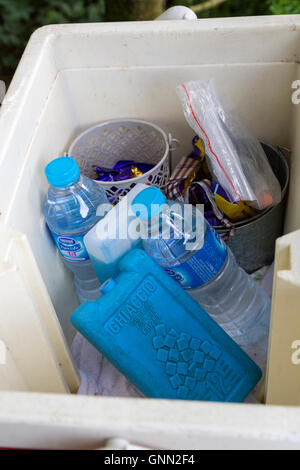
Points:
point(235, 158)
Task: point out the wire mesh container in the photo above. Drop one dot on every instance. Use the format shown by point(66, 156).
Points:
point(107, 143)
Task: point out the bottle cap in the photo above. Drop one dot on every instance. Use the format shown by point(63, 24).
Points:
point(148, 203)
point(62, 171)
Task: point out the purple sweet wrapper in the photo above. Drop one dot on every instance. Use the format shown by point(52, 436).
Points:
point(211, 218)
point(122, 170)
point(216, 188)
point(197, 195)
point(198, 147)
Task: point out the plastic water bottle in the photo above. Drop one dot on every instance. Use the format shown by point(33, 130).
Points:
point(70, 212)
point(208, 272)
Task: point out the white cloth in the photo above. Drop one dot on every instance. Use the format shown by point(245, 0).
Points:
point(98, 375)
point(259, 351)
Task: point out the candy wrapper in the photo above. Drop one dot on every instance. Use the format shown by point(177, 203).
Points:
point(199, 151)
point(193, 169)
point(123, 170)
point(186, 171)
point(211, 193)
point(199, 192)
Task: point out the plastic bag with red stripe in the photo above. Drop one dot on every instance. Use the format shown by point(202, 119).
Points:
point(235, 157)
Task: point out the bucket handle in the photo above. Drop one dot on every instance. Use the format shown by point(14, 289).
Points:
point(173, 143)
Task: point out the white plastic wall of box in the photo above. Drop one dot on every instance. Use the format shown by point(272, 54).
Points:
point(78, 422)
point(283, 375)
point(71, 77)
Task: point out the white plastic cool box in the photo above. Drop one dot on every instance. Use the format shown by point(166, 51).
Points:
point(72, 77)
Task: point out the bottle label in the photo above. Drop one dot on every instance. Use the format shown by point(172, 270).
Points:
point(203, 265)
point(71, 248)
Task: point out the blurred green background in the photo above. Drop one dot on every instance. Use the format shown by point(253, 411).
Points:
point(19, 18)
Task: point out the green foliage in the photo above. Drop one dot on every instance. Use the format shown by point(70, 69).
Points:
point(19, 18)
point(244, 8)
point(238, 8)
point(283, 7)
point(229, 7)
point(186, 3)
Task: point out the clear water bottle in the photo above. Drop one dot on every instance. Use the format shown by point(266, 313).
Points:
point(208, 272)
point(70, 212)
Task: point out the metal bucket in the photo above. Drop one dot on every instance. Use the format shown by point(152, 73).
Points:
point(253, 242)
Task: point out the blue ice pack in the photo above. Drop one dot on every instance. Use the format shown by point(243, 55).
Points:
point(161, 339)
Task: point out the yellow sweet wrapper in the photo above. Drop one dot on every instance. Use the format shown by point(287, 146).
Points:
point(200, 152)
point(136, 172)
point(191, 178)
point(200, 146)
point(235, 212)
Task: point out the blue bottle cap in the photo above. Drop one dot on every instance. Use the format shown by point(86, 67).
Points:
point(62, 171)
point(148, 203)
point(107, 286)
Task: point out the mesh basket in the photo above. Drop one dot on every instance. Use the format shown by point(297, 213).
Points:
point(130, 139)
